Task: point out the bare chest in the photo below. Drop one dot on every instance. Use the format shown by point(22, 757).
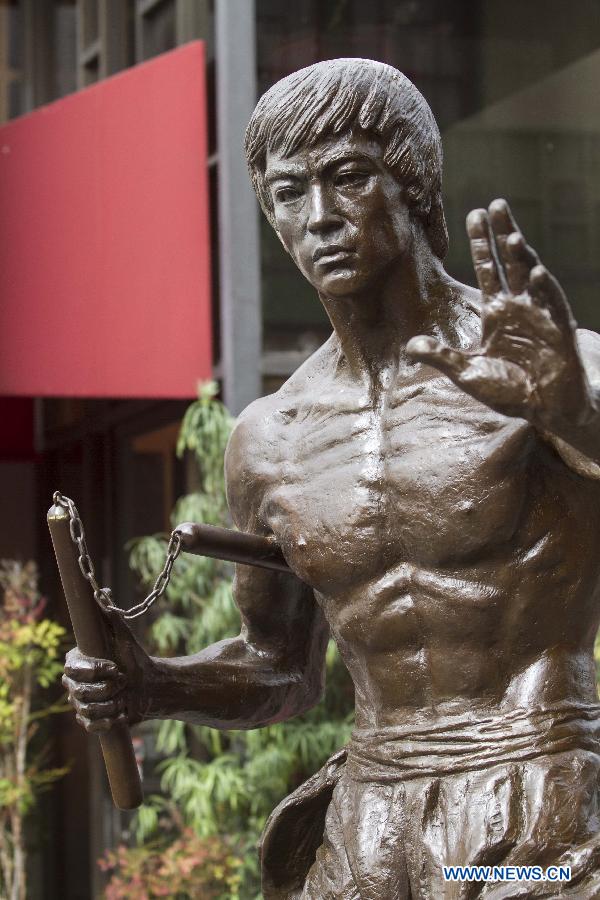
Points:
point(428, 476)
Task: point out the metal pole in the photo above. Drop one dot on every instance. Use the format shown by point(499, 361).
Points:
point(239, 247)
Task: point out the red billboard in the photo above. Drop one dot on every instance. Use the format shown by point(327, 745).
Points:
point(104, 238)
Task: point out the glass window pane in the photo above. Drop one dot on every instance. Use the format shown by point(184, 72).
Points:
point(14, 14)
point(91, 21)
point(535, 139)
point(158, 29)
point(65, 49)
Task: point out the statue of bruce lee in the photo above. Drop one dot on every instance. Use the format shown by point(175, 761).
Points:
point(432, 475)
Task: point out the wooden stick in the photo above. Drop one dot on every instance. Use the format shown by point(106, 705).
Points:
point(234, 546)
point(90, 633)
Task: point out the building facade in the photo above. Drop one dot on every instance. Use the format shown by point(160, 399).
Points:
point(513, 86)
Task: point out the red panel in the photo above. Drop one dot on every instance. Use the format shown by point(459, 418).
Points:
point(104, 241)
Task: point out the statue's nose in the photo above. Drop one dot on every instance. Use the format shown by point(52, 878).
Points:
point(323, 214)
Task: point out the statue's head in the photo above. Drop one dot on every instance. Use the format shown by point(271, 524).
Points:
point(358, 96)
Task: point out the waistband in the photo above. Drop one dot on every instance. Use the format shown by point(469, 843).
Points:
point(455, 744)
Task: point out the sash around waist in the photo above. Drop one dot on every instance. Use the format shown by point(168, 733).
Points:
point(455, 744)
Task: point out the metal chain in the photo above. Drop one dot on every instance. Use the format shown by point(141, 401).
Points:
point(103, 596)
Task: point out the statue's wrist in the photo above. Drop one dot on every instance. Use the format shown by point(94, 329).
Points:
point(142, 691)
point(576, 422)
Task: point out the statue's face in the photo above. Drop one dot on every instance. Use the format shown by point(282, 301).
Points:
point(340, 213)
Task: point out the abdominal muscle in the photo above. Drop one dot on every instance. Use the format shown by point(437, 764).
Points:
point(422, 644)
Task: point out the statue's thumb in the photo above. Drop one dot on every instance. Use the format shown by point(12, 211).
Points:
point(431, 352)
point(124, 644)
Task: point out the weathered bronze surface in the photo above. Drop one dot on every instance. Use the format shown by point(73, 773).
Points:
point(235, 546)
point(432, 476)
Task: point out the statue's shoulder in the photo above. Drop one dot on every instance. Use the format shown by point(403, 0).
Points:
point(261, 434)
point(247, 463)
point(248, 444)
point(266, 417)
point(308, 379)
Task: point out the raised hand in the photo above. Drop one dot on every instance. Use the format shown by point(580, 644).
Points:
point(528, 364)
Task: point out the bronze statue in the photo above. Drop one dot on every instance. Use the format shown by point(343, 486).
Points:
point(431, 475)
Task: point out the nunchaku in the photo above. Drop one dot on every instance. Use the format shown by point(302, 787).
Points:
point(90, 629)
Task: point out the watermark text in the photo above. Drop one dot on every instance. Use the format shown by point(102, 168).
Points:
point(507, 873)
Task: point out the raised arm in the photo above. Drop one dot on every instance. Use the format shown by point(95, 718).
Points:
point(273, 670)
point(532, 362)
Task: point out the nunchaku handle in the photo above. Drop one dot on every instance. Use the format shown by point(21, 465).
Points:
point(90, 633)
point(233, 546)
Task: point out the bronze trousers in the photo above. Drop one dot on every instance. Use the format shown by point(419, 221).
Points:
point(521, 789)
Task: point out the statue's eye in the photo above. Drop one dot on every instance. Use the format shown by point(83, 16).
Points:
point(351, 178)
point(287, 194)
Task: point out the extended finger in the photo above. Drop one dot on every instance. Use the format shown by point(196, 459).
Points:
point(508, 237)
point(523, 259)
point(431, 352)
point(110, 709)
point(548, 294)
point(99, 690)
point(487, 271)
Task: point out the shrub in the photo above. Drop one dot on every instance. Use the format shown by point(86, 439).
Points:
point(188, 867)
point(30, 651)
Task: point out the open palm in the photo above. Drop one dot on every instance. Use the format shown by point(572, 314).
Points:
point(528, 364)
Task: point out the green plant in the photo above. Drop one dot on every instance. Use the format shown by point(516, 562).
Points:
point(188, 867)
point(224, 783)
point(30, 647)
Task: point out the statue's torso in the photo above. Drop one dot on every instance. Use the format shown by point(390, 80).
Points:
point(455, 555)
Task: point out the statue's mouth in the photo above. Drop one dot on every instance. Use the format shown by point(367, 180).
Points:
point(332, 253)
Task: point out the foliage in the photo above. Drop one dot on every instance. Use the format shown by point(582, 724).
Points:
point(188, 867)
point(30, 647)
point(224, 783)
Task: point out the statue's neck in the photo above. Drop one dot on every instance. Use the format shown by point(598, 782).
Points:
point(373, 328)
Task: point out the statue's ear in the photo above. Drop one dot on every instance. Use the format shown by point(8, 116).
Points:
point(277, 232)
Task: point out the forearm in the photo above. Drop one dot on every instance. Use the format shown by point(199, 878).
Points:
point(227, 685)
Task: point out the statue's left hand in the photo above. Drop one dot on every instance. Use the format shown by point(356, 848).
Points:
point(528, 364)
